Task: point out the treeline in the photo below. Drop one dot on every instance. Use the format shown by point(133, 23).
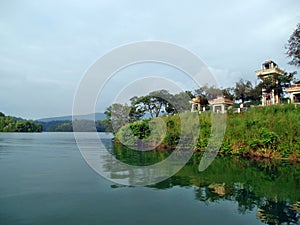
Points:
point(10, 124)
point(162, 102)
point(67, 126)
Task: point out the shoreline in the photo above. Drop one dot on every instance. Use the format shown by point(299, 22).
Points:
point(220, 153)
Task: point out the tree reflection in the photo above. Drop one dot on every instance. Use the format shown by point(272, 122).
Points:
point(269, 187)
point(278, 213)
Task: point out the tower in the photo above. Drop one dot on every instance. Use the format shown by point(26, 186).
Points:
point(269, 70)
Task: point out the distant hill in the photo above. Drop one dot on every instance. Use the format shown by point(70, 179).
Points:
point(16, 124)
point(97, 116)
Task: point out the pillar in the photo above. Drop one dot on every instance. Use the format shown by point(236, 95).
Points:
point(292, 98)
point(263, 97)
point(273, 98)
point(193, 108)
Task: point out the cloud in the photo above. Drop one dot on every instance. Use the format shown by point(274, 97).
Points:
point(48, 46)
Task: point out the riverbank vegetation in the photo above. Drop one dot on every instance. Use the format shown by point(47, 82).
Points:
point(263, 132)
point(11, 124)
point(269, 132)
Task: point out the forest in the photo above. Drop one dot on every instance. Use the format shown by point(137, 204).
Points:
point(11, 124)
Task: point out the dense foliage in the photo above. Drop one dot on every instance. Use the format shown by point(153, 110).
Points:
point(264, 132)
point(10, 124)
point(268, 132)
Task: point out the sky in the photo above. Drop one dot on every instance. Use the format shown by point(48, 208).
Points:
point(47, 46)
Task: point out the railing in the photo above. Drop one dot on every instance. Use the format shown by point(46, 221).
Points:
point(270, 70)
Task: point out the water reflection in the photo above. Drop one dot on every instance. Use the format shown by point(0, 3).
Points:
point(50, 172)
point(269, 187)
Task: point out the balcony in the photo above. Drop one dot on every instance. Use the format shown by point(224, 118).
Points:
point(268, 72)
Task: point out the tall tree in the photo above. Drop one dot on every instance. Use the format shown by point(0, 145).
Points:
point(255, 93)
point(154, 103)
point(137, 110)
point(117, 115)
point(228, 93)
point(180, 102)
point(243, 90)
point(293, 47)
point(208, 92)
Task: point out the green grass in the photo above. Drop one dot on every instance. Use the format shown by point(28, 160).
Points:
point(268, 132)
point(271, 131)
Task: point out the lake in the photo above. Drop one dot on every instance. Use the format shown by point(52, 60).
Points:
point(45, 180)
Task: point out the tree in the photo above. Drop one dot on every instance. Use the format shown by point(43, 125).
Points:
point(293, 47)
point(154, 103)
point(278, 83)
point(117, 115)
point(255, 93)
point(136, 111)
point(190, 94)
point(243, 90)
point(141, 105)
point(9, 124)
point(228, 93)
point(180, 102)
point(207, 93)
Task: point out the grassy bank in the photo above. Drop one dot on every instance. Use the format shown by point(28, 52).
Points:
point(270, 132)
point(267, 132)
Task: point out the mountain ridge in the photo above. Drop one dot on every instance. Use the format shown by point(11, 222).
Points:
point(96, 116)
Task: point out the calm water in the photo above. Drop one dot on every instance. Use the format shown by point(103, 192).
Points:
point(44, 180)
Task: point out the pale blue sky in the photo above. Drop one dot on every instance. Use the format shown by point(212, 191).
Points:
point(46, 46)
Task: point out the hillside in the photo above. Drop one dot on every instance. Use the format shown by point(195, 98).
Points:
point(267, 132)
point(67, 126)
point(64, 123)
point(96, 116)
